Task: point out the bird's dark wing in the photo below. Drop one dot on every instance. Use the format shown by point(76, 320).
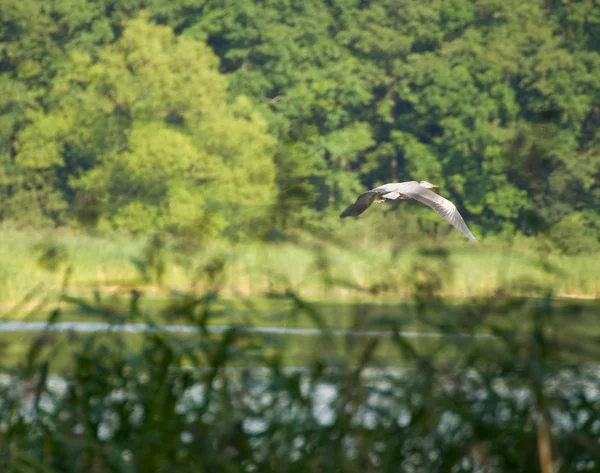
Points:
point(441, 205)
point(363, 202)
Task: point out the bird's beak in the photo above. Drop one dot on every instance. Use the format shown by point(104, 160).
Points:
point(434, 186)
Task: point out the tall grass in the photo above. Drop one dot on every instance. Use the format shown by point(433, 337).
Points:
point(524, 401)
point(33, 260)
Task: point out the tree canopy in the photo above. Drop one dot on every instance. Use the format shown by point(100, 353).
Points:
point(202, 115)
point(146, 135)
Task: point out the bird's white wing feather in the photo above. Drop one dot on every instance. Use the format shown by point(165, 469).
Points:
point(442, 206)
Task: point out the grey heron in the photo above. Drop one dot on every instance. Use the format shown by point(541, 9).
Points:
point(410, 190)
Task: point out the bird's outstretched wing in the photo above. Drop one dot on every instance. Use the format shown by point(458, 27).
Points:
point(363, 202)
point(441, 205)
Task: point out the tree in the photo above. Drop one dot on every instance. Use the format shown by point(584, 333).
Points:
point(497, 101)
point(150, 135)
point(285, 55)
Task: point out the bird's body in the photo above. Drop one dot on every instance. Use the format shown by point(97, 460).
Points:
point(410, 190)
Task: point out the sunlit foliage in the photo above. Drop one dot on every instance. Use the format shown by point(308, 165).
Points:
point(497, 101)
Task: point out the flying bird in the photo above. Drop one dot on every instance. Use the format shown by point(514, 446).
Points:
point(410, 190)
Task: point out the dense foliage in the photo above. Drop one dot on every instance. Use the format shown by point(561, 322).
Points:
point(197, 115)
point(198, 402)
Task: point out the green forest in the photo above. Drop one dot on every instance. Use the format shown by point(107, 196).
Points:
point(247, 119)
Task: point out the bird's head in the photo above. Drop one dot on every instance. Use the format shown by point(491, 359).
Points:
point(428, 185)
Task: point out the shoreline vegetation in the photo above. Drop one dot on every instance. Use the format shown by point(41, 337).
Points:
point(368, 271)
point(236, 401)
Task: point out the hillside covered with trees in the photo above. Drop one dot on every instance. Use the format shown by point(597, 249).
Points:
point(228, 118)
